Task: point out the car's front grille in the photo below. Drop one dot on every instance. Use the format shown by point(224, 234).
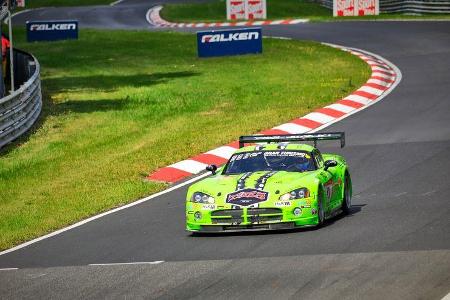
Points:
point(264, 215)
point(227, 212)
point(254, 216)
point(263, 211)
point(227, 216)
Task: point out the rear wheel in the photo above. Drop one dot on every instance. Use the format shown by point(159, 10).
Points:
point(347, 201)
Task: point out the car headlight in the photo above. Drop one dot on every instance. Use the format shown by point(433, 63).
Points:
point(295, 194)
point(199, 197)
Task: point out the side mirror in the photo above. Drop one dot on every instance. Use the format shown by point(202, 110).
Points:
point(330, 164)
point(212, 169)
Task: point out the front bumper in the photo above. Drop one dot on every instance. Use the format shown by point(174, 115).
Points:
point(249, 219)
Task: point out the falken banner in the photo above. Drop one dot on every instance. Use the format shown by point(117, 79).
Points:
point(51, 30)
point(343, 8)
point(229, 42)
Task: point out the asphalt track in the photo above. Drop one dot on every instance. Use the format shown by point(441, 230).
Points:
point(395, 245)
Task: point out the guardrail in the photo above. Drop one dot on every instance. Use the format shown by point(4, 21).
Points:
point(327, 3)
point(406, 6)
point(415, 6)
point(20, 110)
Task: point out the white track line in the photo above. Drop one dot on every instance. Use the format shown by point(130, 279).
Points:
point(9, 269)
point(131, 263)
point(103, 214)
point(116, 2)
point(198, 177)
point(20, 12)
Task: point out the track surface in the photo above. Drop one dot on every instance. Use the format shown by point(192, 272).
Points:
point(395, 245)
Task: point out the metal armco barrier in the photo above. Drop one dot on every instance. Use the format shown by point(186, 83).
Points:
point(406, 6)
point(415, 6)
point(327, 3)
point(20, 110)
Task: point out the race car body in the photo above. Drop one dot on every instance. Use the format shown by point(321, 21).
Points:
point(278, 183)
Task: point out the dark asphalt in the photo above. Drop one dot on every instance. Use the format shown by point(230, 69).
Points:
point(395, 245)
point(129, 14)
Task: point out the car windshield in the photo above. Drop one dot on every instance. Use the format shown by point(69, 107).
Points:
point(280, 160)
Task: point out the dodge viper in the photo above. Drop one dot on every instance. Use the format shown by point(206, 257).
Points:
point(274, 182)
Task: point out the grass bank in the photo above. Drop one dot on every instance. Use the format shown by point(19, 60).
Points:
point(61, 3)
point(120, 104)
point(276, 9)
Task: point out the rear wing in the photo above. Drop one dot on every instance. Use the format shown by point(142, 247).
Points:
point(309, 137)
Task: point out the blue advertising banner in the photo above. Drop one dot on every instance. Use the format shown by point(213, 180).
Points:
point(229, 42)
point(52, 30)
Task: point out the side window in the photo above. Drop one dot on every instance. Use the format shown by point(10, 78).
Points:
point(318, 158)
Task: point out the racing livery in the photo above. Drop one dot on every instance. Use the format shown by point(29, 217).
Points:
point(277, 183)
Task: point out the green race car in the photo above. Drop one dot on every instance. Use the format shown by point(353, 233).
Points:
point(275, 183)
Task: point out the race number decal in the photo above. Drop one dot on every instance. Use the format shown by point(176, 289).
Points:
point(329, 189)
point(256, 9)
point(236, 9)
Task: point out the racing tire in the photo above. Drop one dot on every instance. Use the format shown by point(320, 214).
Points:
point(320, 209)
point(347, 199)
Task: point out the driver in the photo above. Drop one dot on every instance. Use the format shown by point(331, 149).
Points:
point(304, 164)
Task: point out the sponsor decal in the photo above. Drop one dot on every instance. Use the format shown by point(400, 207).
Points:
point(247, 197)
point(256, 9)
point(49, 27)
point(209, 206)
point(230, 37)
point(342, 8)
point(282, 203)
point(51, 30)
point(284, 154)
point(229, 42)
point(236, 9)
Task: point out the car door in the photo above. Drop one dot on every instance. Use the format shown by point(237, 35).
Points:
point(326, 179)
point(330, 183)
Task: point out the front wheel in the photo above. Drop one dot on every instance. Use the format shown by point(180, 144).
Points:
point(347, 201)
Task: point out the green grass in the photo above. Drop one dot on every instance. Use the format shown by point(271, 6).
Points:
point(216, 11)
point(120, 104)
point(60, 3)
point(276, 9)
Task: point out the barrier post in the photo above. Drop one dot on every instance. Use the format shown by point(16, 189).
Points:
point(11, 54)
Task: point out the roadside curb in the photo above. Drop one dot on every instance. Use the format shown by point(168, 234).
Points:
point(384, 78)
point(153, 18)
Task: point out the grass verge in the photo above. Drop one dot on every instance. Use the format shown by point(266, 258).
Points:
point(276, 9)
point(119, 104)
point(62, 3)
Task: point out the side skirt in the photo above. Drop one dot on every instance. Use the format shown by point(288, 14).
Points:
point(334, 213)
